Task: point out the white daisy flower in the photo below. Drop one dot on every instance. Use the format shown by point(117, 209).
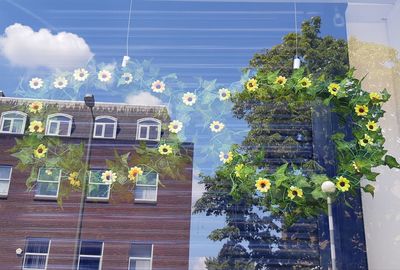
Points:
point(108, 177)
point(216, 126)
point(158, 86)
point(127, 78)
point(60, 82)
point(104, 75)
point(224, 94)
point(175, 126)
point(36, 83)
point(189, 98)
point(81, 74)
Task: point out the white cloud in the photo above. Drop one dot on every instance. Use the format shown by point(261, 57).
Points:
point(198, 264)
point(143, 98)
point(24, 47)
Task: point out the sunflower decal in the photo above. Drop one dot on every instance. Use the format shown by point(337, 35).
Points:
point(366, 140)
point(40, 151)
point(165, 149)
point(224, 94)
point(73, 179)
point(35, 107)
point(36, 83)
point(36, 127)
point(104, 75)
point(333, 89)
point(343, 184)
point(216, 126)
point(60, 83)
point(305, 82)
point(375, 97)
point(158, 86)
point(263, 185)
point(108, 177)
point(372, 126)
point(127, 78)
point(80, 74)
point(356, 167)
point(281, 80)
point(238, 169)
point(175, 126)
point(295, 192)
point(361, 110)
point(189, 98)
point(134, 172)
point(251, 85)
point(226, 157)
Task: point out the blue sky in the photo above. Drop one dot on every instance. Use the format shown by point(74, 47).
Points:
point(207, 39)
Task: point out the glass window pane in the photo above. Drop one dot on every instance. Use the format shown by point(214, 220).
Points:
point(153, 134)
point(47, 189)
point(5, 172)
point(140, 265)
point(105, 120)
point(37, 245)
point(35, 261)
point(91, 248)
point(141, 250)
point(98, 130)
point(143, 133)
point(64, 128)
point(95, 177)
point(17, 126)
point(149, 178)
point(145, 193)
point(87, 263)
point(49, 174)
point(4, 186)
point(109, 131)
point(6, 125)
point(53, 128)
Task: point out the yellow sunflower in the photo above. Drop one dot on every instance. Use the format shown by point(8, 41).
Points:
point(251, 85)
point(295, 192)
point(73, 179)
point(134, 172)
point(305, 82)
point(361, 110)
point(36, 127)
point(226, 157)
point(263, 184)
point(40, 151)
point(35, 107)
point(238, 169)
point(343, 184)
point(281, 80)
point(109, 177)
point(372, 126)
point(334, 88)
point(366, 140)
point(165, 149)
point(375, 97)
point(355, 166)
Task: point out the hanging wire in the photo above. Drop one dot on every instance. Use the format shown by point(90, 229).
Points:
point(129, 28)
point(295, 25)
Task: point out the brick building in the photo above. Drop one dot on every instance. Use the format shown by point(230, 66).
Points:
point(142, 227)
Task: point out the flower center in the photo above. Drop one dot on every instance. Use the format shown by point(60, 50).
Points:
point(81, 74)
point(104, 76)
point(304, 83)
point(262, 185)
point(342, 184)
point(36, 128)
point(371, 127)
point(216, 126)
point(165, 150)
point(251, 84)
point(361, 110)
point(127, 78)
point(294, 192)
point(35, 83)
point(40, 150)
point(365, 141)
point(108, 177)
point(189, 99)
point(60, 83)
point(223, 94)
point(175, 126)
point(158, 86)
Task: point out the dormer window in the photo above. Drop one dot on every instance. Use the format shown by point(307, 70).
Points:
point(148, 129)
point(59, 124)
point(105, 127)
point(13, 122)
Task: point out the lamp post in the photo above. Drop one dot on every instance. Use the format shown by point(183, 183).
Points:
point(328, 187)
point(89, 102)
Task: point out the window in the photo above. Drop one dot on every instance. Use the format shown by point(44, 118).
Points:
point(13, 122)
point(148, 129)
point(48, 183)
point(98, 190)
point(59, 124)
point(146, 187)
point(105, 127)
point(36, 253)
point(90, 255)
point(141, 257)
point(5, 177)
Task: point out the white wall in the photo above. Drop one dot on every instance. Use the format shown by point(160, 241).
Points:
point(377, 30)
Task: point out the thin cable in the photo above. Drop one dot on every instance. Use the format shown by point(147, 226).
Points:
point(129, 28)
point(295, 25)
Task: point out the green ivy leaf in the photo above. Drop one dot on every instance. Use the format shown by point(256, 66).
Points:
point(391, 162)
point(369, 189)
point(280, 176)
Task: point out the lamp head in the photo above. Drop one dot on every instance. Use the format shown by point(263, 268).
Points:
point(89, 100)
point(2, 94)
point(328, 187)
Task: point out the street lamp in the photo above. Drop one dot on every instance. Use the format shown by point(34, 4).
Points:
point(89, 102)
point(328, 187)
point(2, 94)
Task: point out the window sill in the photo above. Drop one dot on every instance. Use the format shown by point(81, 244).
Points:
point(99, 200)
point(145, 202)
point(45, 198)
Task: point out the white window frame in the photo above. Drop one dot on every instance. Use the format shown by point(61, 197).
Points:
point(38, 254)
point(4, 117)
point(91, 256)
point(139, 125)
point(144, 185)
point(97, 199)
point(141, 258)
point(49, 121)
point(6, 180)
point(104, 127)
point(46, 181)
